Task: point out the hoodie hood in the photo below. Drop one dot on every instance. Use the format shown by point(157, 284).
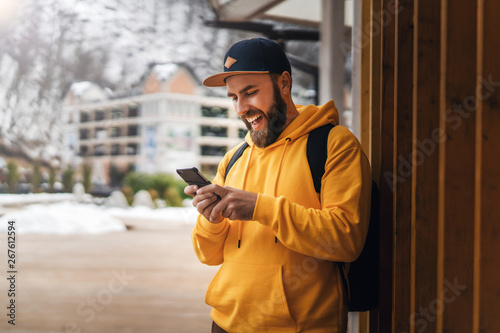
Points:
point(310, 117)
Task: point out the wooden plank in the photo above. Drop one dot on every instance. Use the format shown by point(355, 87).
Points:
point(403, 164)
point(489, 141)
point(365, 110)
point(363, 322)
point(375, 107)
point(426, 173)
point(477, 204)
point(365, 113)
point(364, 36)
point(375, 111)
point(375, 85)
point(459, 168)
point(387, 167)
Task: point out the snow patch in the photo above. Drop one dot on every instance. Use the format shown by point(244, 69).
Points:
point(59, 214)
point(79, 88)
point(182, 215)
point(165, 71)
point(62, 219)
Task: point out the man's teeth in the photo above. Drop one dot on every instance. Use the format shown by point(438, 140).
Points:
point(250, 120)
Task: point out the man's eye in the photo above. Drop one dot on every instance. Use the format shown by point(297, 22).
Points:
point(250, 93)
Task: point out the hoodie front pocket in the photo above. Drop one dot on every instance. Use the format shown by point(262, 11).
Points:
point(250, 296)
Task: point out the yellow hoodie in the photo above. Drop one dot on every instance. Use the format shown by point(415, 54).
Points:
point(277, 273)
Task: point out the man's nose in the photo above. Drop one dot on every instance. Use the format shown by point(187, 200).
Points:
point(241, 107)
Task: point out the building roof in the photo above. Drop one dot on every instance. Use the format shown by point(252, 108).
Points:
point(165, 71)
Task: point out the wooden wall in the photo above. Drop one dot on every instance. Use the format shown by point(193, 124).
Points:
point(431, 84)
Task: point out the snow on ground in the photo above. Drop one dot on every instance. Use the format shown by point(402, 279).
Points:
point(185, 215)
point(24, 199)
point(62, 218)
point(70, 217)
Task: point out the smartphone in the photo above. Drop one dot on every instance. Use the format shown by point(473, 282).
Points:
point(193, 176)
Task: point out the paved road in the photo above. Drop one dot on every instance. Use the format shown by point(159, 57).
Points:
point(144, 280)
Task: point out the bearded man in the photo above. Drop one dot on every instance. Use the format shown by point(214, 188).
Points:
point(273, 235)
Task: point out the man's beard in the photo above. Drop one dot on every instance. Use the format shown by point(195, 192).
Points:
point(276, 120)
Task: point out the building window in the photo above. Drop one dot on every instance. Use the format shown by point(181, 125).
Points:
point(242, 133)
point(115, 132)
point(116, 113)
point(84, 151)
point(213, 150)
point(84, 116)
point(214, 131)
point(100, 133)
point(147, 109)
point(213, 112)
point(99, 150)
point(133, 110)
point(100, 115)
point(84, 134)
point(115, 150)
point(132, 149)
point(133, 130)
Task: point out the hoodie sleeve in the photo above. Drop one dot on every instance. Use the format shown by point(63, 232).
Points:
point(338, 230)
point(208, 238)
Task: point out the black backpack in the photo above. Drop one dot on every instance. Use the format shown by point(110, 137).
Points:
point(362, 280)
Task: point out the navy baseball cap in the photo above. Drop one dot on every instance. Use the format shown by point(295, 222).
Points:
point(251, 56)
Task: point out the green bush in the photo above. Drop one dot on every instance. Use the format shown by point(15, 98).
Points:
point(173, 197)
point(52, 178)
point(68, 179)
point(87, 177)
point(12, 176)
point(117, 175)
point(128, 193)
point(36, 178)
point(166, 186)
point(154, 195)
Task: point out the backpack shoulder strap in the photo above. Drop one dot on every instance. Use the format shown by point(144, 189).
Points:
point(317, 153)
point(235, 157)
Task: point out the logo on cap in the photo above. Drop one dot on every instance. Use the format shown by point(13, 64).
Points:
point(229, 62)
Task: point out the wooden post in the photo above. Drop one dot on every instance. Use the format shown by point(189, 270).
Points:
point(426, 162)
point(457, 167)
point(488, 144)
point(387, 167)
point(403, 118)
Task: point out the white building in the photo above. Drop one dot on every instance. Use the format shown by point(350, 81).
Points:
point(167, 127)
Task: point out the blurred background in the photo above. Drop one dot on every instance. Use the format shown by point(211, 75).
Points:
point(92, 91)
point(100, 102)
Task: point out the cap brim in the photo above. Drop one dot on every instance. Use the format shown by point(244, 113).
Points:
point(219, 80)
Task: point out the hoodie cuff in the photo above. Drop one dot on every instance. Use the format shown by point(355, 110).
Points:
point(264, 209)
point(211, 228)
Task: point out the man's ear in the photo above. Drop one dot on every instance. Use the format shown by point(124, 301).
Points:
point(286, 83)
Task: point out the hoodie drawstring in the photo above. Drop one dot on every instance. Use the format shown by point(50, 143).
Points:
point(240, 225)
point(287, 140)
point(279, 166)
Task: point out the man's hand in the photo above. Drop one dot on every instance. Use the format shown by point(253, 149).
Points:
point(204, 203)
point(234, 204)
